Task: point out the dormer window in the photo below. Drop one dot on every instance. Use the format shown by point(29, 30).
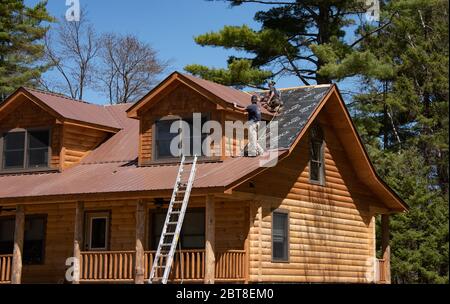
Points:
point(25, 149)
point(190, 142)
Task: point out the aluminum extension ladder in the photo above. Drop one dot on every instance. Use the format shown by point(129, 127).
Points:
point(172, 226)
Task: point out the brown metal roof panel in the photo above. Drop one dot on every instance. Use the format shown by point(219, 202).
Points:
point(122, 146)
point(76, 110)
point(122, 177)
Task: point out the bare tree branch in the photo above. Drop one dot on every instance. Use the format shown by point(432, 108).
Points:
point(129, 68)
point(73, 53)
point(375, 30)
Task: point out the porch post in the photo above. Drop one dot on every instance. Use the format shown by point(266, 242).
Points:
point(385, 246)
point(16, 275)
point(78, 241)
point(210, 231)
point(140, 235)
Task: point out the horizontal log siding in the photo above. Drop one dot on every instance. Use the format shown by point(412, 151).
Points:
point(331, 235)
point(78, 142)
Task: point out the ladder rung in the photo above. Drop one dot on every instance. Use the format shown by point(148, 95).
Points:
point(180, 195)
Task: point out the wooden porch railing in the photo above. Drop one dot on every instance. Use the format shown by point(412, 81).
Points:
point(381, 271)
point(5, 268)
point(107, 266)
point(231, 265)
point(189, 265)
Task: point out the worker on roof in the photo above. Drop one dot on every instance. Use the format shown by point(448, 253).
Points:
point(273, 101)
point(254, 119)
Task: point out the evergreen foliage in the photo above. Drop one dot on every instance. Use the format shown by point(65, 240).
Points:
point(22, 29)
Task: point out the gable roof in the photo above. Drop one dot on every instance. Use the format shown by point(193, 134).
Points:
point(112, 167)
point(67, 109)
point(214, 91)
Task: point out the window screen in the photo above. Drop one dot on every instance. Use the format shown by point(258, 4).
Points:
point(190, 144)
point(13, 150)
point(26, 150)
point(316, 162)
point(280, 237)
point(98, 233)
point(38, 143)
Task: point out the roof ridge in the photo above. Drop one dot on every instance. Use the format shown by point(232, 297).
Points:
point(214, 83)
point(118, 104)
point(312, 86)
point(61, 96)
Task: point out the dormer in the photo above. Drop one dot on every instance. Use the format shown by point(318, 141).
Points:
point(41, 131)
point(177, 98)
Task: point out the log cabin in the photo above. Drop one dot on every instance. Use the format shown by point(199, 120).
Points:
point(93, 182)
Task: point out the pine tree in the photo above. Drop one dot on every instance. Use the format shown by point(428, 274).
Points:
point(403, 117)
point(285, 43)
point(21, 49)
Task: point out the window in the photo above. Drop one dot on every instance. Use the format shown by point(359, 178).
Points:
point(316, 163)
point(29, 149)
point(191, 143)
point(280, 238)
point(192, 234)
point(97, 230)
point(34, 238)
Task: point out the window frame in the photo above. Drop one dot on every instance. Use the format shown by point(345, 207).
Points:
point(155, 158)
point(26, 161)
point(153, 245)
point(44, 217)
point(89, 216)
point(321, 141)
point(286, 259)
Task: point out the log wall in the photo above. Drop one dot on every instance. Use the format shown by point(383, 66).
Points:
point(78, 142)
point(331, 231)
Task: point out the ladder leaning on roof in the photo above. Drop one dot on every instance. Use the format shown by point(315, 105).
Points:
point(172, 226)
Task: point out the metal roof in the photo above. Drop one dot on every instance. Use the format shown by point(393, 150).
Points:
point(112, 167)
point(76, 110)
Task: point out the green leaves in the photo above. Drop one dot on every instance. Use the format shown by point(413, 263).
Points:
point(21, 32)
point(239, 73)
point(404, 69)
point(285, 43)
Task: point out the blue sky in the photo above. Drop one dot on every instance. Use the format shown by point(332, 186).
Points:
point(169, 26)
